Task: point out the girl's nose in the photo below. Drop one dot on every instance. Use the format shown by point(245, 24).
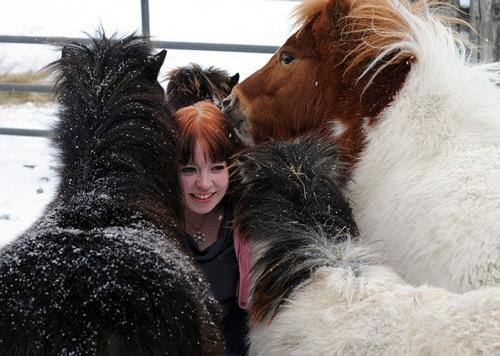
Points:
point(203, 181)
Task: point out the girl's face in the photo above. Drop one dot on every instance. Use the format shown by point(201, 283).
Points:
point(203, 184)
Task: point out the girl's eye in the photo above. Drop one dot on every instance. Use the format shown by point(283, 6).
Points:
point(188, 170)
point(218, 167)
point(286, 58)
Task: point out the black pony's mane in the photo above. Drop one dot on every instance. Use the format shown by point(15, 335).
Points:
point(289, 206)
point(113, 118)
point(190, 84)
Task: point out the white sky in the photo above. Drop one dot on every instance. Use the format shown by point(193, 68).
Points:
point(27, 175)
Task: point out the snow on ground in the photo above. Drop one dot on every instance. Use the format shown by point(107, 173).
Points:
point(28, 176)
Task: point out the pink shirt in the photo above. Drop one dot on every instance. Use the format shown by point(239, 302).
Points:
point(243, 255)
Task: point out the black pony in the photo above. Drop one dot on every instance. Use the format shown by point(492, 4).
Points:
point(104, 271)
point(190, 84)
point(289, 206)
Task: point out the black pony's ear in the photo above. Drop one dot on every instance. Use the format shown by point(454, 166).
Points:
point(154, 64)
point(234, 80)
point(67, 50)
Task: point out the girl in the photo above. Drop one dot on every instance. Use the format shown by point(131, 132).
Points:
point(206, 144)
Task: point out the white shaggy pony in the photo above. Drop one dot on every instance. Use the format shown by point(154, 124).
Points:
point(314, 291)
point(427, 183)
point(417, 123)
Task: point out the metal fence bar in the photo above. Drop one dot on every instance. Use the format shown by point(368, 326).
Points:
point(52, 40)
point(145, 17)
point(190, 46)
point(15, 87)
point(25, 132)
point(218, 47)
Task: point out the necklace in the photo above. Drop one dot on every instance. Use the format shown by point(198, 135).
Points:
point(199, 237)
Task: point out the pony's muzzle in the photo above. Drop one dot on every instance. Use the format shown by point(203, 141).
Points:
point(230, 109)
point(229, 103)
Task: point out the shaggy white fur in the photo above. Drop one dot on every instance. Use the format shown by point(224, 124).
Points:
point(427, 186)
point(317, 291)
point(361, 309)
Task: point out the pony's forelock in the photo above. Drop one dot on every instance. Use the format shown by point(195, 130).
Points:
point(379, 33)
point(307, 11)
point(385, 32)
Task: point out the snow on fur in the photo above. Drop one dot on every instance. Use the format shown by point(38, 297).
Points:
point(104, 270)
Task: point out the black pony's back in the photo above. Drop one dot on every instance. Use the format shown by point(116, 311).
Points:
point(104, 270)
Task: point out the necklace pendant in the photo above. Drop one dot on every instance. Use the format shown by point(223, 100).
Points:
point(199, 237)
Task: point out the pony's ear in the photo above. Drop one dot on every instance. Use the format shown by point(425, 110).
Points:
point(154, 64)
point(234, 80)
point(67, 51)
point(338, 8)
point(335, 12)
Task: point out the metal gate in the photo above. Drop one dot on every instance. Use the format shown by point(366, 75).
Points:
point(194, 46)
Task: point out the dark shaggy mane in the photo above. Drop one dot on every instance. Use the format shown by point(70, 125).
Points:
point(289, 206)
point(104, 271)
point(113, 118)
point(190, 84)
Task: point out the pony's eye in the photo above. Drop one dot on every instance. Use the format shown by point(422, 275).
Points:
point(286, 58)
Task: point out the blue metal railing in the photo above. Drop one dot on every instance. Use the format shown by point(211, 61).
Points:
point(57, 40)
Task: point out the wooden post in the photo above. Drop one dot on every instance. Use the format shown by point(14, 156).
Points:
point(455, 3)
point(485, 19)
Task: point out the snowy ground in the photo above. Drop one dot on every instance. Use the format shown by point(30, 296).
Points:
point(28, 176)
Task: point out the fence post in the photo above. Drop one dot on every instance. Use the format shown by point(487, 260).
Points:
point(145, 17)
point(485, 19)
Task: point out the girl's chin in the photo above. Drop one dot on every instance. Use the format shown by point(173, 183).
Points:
point(202, 207)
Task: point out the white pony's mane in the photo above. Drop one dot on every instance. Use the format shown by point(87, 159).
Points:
point(423, 34)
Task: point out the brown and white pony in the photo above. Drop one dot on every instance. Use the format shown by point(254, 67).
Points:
point(418, 125)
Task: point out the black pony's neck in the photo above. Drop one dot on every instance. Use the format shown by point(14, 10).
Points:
point(115, 135)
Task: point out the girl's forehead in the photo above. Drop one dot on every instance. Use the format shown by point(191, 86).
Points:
point(196, 151)
point(203, 156)
point(203, 162)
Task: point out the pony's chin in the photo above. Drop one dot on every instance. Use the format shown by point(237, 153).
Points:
point(244, 136)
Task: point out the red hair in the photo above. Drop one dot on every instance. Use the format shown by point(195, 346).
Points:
point(204, 124)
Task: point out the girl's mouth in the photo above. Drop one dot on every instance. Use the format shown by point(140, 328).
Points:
point(202, 196)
